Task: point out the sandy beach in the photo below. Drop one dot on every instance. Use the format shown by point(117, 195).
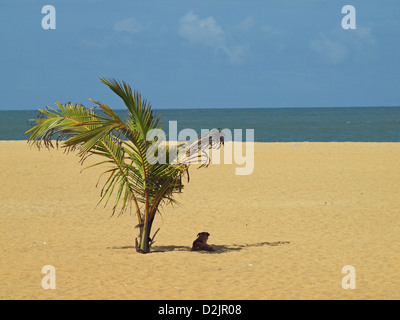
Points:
point(283, 232)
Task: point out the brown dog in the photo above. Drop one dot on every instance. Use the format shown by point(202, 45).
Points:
point(201, 242)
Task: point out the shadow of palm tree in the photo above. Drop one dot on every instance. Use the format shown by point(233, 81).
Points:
point(122, 248)
point(238, 247)
point(156, 248)
point(218, 248)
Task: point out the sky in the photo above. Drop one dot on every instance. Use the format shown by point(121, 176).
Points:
point(201, 54)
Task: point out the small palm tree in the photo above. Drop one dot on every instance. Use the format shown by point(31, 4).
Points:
point(134, 180)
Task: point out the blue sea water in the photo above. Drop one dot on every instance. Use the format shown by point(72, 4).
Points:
point(369, 124)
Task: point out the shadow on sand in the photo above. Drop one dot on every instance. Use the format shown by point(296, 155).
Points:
point(218, 248)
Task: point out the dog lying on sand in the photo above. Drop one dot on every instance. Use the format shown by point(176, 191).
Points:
point(200, 244)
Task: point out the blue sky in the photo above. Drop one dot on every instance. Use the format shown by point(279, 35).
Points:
point(201, 54)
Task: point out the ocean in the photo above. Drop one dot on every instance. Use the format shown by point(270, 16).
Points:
point(358, 124)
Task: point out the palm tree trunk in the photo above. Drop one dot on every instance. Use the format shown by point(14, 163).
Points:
point(144, 237)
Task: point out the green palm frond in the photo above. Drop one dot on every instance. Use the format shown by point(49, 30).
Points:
point(60, 123)
point(142, 118)
point(82, 128)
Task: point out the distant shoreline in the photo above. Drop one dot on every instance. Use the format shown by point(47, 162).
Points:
point(339, 124)
point(229, 108)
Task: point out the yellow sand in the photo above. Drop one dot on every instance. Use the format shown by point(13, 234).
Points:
point(284, 232)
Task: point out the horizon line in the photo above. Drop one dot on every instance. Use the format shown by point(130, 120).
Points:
point(227, 108)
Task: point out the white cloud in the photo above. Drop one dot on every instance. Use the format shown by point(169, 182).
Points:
point(340, 44)
point(364, 35)
point(271, 31)
point(125, 28)
point(128, 25)
point(247, 24)
point(201, 31)
point(208, 32)
point(334, 51)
